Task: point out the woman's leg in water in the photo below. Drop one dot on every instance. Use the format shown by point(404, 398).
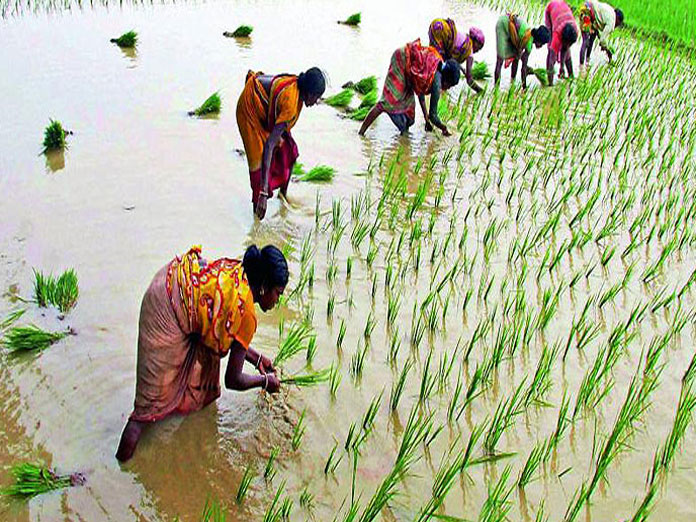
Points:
point(370, 118)
point(129, 440)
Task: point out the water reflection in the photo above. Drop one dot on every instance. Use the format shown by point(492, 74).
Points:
point(55, 160)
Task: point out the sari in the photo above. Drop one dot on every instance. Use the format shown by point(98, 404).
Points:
point(258, 112)
point(411, 71)
point(450, 43)
point(557, 16)
point(190, 315)
point(513, 37)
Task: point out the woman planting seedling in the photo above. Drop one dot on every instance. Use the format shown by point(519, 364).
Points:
point(514, 39)
point(561, 24)
point(194, 313)
point(414, 69)
point(454, 45)
point(597, 19)
point(268, 108)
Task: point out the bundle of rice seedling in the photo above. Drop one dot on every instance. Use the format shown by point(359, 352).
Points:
point(243, 31)
point(353, 20)
point(308, 379)
point(34, 479)
point(298, 169)
point(61, 293)
point(29, 338)
point(210, 106)
point(370, 99)
point(366, 85)
point(359, 114)
point(541, 75)
point(54, 136)
point(342, 99)
point(480, 71)
point(318, 173)
point(127, 40)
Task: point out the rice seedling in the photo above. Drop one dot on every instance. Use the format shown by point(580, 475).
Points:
point(277, 511)
point(480, 71)
point(532, 464)
point(307, 379)
point(293, 343)
point(318, 174)
point(311, 349)
point(341, 334)
point(12, 318)
point(126, 40)
point(333, 461)
point(357, 362)
point(334, 380)
point(31, 479)
point(360, 113)
point(243, 31)
point(352, 20)
point(269, 471)
point(369, 100)
point(54, 136)
point(298, 432)
point(211, 105)
point(29, 338)
point(342, 99)
point(244, 484)
point(365, 85)
point(497, 506)
point(213, 512)
point(503, 419)
point(307, 500)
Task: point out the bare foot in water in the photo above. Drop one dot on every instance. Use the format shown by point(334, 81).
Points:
point(129, 440)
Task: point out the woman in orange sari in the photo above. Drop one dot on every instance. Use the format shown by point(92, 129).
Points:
point(414, 69)
point(267, 110)
point(193, 314)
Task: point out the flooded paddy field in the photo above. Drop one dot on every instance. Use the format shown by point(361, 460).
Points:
point(508, 312)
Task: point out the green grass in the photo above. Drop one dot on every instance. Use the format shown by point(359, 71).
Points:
point(211, 105)
point(342, 99)
point(54, 136)
point(126, 40)
point(34, 479)
point(30, 338)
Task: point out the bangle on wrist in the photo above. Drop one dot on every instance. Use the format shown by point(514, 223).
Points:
point(265, 381)
point(258, 362)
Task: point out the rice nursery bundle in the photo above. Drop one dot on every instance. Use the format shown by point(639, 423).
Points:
point(30, 338)
point(126, 40)
point(211, 105)
point(542, 75)
point(370, 99)
point(54, 136)
point(359, 114)
point(342, 99)
point(243, 31)
point(61, 292)
point(320, 173)
point(363, 86)
point(34, 479)
point(353, 20)
point(480, 71)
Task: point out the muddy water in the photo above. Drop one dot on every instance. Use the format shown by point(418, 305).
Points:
point(141, 181)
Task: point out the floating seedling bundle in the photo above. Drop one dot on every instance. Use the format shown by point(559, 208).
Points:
point(54, 136)
point(243, 31)
point(126, 40)
point(320, 173)
point(353, 20)
point(342, 99)
point(34, 479)
point(211, 105)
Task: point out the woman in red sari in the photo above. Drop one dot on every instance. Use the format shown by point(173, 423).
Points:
point(414, 70)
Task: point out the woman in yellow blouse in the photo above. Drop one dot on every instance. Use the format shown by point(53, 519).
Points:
point(193, 313)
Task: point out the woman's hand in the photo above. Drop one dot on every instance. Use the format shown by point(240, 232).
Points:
point(428, 126)
point(265, 365)
point(446, 132)
point(273, 383)
point(261, 205)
